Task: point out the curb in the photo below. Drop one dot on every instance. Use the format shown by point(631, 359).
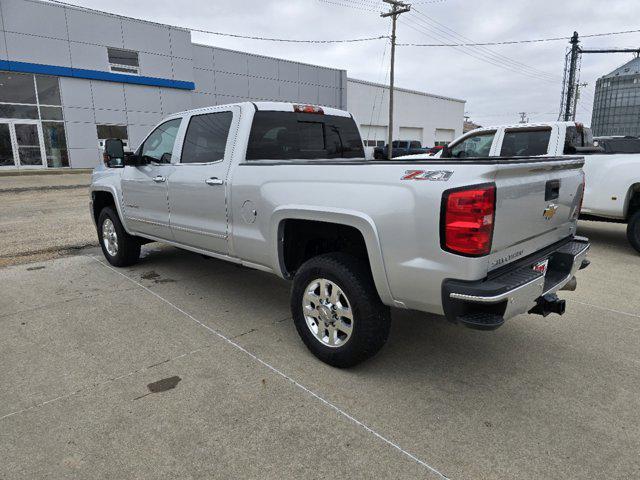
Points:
point(55, 171)
point(44, 187)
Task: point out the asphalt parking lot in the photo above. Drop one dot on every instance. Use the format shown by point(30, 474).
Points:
point(237, 395)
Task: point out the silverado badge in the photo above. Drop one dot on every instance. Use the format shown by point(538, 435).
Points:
point(550, 211)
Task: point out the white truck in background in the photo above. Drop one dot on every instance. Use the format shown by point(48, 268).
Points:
point(612, 164)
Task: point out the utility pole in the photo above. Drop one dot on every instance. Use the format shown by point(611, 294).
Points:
point(571, 84)
point(577, 97)
point(397, 8)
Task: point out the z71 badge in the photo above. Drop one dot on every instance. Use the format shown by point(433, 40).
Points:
point(430, 175)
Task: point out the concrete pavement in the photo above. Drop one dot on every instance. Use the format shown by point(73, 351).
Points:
point(555, 397)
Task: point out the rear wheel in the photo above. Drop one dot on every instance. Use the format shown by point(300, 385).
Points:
point(337, 311)
point(119, 248)
point(633, 230)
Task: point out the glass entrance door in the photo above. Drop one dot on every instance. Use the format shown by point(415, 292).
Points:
point(28, 144)
point(21, 144)
point(6, 146)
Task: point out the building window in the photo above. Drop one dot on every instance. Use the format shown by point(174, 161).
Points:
point(32, 128)
point(112, 131)
point(123, 61)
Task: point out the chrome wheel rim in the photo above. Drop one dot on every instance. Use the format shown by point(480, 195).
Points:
point(327, 313)
point(110, 237)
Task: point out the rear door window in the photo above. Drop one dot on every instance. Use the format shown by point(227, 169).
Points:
point(524, 142)
point(290, 136)
point(206, 137)
point(478, 145)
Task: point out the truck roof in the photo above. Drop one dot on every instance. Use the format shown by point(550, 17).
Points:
point(271, 106)
point(527, 125)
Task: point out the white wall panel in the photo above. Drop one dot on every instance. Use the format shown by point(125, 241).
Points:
point(35, 18)
point(89, 57)
point(84, 157)
point(90, 27)
point(141, 98)
point(27, 48)
point(107, 95)
point(76, 92)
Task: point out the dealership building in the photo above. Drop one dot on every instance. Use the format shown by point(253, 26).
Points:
point(71, 77)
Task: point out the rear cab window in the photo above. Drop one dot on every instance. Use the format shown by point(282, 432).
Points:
point(525, 142)
point(578, 139)
point(291, 135)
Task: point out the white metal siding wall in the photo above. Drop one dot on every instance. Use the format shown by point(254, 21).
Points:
point(45, 33)
point(369, 104)
point(227, 76)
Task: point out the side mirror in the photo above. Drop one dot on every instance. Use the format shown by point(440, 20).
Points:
point(114, 153)
point(446, 152)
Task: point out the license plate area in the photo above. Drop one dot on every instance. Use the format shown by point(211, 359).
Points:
point(541, 266)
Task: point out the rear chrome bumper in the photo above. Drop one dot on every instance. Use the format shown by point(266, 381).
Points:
point(487, 303)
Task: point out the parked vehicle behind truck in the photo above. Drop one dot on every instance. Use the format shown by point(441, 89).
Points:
point(285, 188)
point(400, 148)
point(612, 168)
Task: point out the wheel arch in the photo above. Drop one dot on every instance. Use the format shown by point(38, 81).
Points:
point(340, 217)
point(632, 200)
point(98, 202)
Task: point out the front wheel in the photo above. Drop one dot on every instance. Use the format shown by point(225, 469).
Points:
point(337, 311)
point(119, 248)
point(633, 230)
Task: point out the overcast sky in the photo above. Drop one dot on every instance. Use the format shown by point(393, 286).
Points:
point(494, 95)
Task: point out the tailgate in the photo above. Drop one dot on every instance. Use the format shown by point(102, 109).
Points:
point(536, 206)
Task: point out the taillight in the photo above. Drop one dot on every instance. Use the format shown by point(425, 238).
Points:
point(581, 187)
point(467, 220)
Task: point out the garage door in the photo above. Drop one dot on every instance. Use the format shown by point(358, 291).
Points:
point(410, 133)
point(444, 136)
point(374, 135)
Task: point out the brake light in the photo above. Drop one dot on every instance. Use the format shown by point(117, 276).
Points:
point(468, 217)
point(308, 109)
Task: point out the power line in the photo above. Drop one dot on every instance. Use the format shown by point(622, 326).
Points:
point(513, 42)
point(236, 35)
point(450, 33)
point(477, 55)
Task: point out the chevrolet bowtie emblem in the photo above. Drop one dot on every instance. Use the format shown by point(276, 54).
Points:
point(550, 211)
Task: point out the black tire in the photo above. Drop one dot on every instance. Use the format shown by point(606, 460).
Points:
point(371, 318)
point(128, 249)
point(633, 230)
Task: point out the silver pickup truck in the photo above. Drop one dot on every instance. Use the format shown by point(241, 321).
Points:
point(285, 188)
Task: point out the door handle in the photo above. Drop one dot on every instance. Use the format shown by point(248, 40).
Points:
point(159, 179)
point(214, 181)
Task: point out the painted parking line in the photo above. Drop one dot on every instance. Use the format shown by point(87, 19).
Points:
point(605, 308)
point(273, 369)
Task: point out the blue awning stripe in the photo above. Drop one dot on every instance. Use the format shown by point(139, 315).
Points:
point(25, 67)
